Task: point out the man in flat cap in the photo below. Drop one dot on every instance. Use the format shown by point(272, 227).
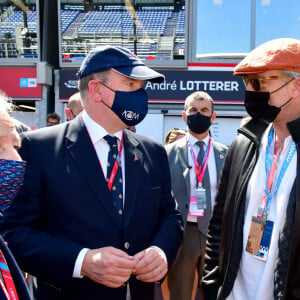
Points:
point(254, 234)
point(96, 215)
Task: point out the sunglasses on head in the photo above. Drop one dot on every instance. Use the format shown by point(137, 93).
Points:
point(256, 82)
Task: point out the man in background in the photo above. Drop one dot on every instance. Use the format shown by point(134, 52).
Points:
point(52, 119)
point(195, 162)
point(74, 107)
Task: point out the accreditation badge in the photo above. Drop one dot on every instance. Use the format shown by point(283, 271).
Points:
point(265, 241)
point(194, 211)
point(255, 235)
point(201, 198)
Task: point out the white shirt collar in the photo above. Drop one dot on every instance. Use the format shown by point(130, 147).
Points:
point(95, 130)
point(193, 140)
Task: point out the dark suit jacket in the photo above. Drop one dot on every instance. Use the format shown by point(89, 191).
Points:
point(20, 284)
point(65, 205)
point(180, 171)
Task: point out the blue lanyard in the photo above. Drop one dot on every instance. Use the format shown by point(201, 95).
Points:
point(268, 163)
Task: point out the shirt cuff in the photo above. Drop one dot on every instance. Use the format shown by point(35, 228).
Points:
point(78, 263)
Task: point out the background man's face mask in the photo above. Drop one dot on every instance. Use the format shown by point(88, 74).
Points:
point(198, 123)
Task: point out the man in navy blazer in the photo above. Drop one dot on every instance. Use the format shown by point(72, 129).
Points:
point(64, 227)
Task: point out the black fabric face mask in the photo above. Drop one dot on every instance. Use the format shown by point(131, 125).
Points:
point(257, 106)
point(198, 123)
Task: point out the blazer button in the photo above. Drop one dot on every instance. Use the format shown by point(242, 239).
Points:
point(126, 245)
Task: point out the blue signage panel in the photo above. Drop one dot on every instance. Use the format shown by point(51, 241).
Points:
point(222, 86)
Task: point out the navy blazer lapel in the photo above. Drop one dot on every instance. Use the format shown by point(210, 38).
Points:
point(133, 165)
point(82, 150)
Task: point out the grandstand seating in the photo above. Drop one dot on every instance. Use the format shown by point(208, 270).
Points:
point(82, 30)
point(116, 22)
point(9, 22)
point(117, 25)
point(67, 17)
point(17, 19)
point(180, 29)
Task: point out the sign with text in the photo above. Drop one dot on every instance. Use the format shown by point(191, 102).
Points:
point(222, 86)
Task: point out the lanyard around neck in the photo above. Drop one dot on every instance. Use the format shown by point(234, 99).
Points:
point(117, 161)
point(200, 170)
point(271, 162)
point(116, 165)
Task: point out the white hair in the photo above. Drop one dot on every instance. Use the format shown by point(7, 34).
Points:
point(291, 73)
point(6, 107)
point(5, 103)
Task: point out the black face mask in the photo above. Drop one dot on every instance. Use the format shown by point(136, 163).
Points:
point(198, 123)
point(257, 106)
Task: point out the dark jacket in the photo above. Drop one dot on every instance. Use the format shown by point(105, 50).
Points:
point(65, 205)
point(224, 245)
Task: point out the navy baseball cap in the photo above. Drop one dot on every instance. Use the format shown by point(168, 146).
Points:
point(120, 60)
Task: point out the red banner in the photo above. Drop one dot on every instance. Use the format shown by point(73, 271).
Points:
point(20, 83)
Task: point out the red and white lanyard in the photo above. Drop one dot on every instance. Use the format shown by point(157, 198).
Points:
point(200, 170)
point(117, 161)
point(116, 165)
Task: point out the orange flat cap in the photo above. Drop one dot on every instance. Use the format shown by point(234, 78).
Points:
point(278, 54)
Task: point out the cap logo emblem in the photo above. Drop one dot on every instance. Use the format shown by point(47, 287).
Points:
point(130, 115)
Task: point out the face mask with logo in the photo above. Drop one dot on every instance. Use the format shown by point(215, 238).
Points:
point(130, 107)
point(198, 123)
point(11, 180)
point(258, 107)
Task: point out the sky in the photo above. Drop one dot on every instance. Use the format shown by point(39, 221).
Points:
point(225, 25)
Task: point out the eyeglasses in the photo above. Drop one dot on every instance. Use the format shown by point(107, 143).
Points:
point(256, 82)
